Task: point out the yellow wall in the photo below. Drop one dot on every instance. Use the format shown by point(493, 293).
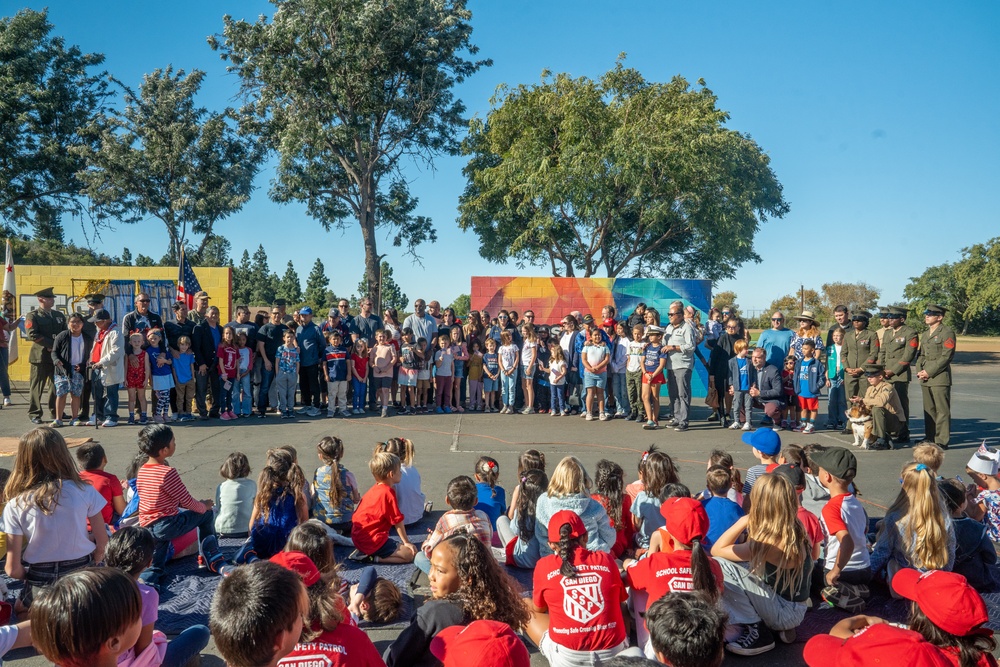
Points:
point(71, 283)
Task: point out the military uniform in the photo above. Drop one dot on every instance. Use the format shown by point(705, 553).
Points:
point(885, 406)
point(42, 327)
point(937, 348)
point(859, 348)
point(898, 351)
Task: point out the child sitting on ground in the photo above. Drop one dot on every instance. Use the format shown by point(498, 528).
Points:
point(131, 551)
point(167, 509)
point(234, 497)
point(374, 599)
point(766, 444)
point(257, 614)
point(279, 506)
point(518, 532)
point(411, 499)
point(377, 512)
point(931, 455)
point(656, 471)
point(89, 617)
point(462, 516)
point(609, 490)
point(984, 495)
point(687, 629)
point(492, 498)
point(92, 460)
point(847, 571)
point(975, 555)
point(720, 457)
point(722, 512)
point(336, 488)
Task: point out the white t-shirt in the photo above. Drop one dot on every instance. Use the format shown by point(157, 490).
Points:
point(636, 350)
point(409, 497)
point(555, 368)
point(595, 355)
point(529, 353)
point(61, 535)
point(8, 635)
point(76, 350)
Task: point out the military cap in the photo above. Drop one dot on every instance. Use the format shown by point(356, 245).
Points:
point(862, 315)
point(95, 298)
point(873, 369)
point(897, 311)
point(588, 319)
point(46, 293)
point(935, 309)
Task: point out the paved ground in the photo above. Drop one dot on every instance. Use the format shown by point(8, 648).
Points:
point(448, 445)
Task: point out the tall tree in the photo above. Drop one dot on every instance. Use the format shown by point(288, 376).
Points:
point(392, 295)
point(345, 90)
point(241, 279)
point(48, 92)
point(263, 283)
point(619, 175)
point(462, 305)
point(791, 304)
point(725, 298)
point(856, 296)
point(126, 259)
point(317, 285)
point(166, 158)
point(289, 287)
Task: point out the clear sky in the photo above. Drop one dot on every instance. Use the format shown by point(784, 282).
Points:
point(880, 119)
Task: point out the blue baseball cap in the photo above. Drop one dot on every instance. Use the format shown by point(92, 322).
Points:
point(306, 311)
point(765, 440)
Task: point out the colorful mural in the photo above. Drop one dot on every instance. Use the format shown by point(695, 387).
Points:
point(551, 298)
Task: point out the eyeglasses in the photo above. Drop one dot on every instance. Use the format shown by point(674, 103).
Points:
point(142, 300)
point(777, 319)
point(276, 312)
point(731, 328)
point(342, 305)
point(672, 313)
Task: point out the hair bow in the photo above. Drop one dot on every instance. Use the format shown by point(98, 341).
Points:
point(920, 466)
point(491, 464)
point(645, 455)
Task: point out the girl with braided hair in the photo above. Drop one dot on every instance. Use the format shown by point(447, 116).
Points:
point(576, 604)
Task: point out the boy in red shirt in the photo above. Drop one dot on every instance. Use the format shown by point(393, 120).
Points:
point(92, 460)
point(377, 512)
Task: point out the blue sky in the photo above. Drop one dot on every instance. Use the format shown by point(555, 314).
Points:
point(880, 120)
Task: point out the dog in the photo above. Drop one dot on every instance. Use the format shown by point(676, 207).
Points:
point(860, 418)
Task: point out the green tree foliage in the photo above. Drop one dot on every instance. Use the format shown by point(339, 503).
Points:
point(47, 226)
point(48, 92)
point(317, 288)
point(392, 295)
point(56, 253)
point(727, 298)
point(144, 261)
point(241, 280)
point(289, 288)
point(620, 175)
point(345, 90)
point(969, 288)
point(462, 305)
point(126, 258)
point(856, 296)
point(263, 283)
point(791, 306)
point(166, 158)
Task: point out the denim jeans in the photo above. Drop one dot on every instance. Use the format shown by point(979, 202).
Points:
point(105, 398)
point(185, 646)
point(226, 395)
point(358, 401)
point(166, 529)
point(266, 378)
point(557, 402)
point(620, 392)
point(242, 396)
point(837, 404)
point(508, 388)
point(4, 377)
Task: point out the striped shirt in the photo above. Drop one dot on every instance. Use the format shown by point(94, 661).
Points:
point(162, 493)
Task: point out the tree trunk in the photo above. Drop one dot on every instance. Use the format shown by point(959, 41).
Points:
point(367, 221)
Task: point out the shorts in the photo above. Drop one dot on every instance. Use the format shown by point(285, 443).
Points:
point(597, 380)
point(68, 384)
point(387, 549)
point(424, 375)
point(408, 377)
point(382, 383)
point(656, 379)
point(811, 403)
point(560, 656)
point(489, 384)
point(423, 384)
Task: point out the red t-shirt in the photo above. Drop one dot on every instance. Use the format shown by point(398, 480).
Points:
point(360, 365)
point(623, 535)
point(663, 573)
point(985, 659)
point(814, 531)
point(230, 358)
point(585, 611)
point(107, 485)
point(377, 512)
point(344, 646)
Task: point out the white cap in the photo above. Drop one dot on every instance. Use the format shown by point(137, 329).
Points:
point(984, 461)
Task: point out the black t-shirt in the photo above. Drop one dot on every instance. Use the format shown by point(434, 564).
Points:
point(174, 330)
point(249, 328)
point(412, 647)
point(273, 336)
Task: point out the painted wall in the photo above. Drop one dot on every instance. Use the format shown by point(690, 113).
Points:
point(552, 298)
point(119, 283)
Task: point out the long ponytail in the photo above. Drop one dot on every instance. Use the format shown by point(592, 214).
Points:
point(567, 546)
point(331, 449)
point(701, 572)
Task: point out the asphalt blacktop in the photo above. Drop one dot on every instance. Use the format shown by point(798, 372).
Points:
point(448, 445)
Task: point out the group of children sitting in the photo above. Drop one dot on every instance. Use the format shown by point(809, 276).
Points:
point(732, 567)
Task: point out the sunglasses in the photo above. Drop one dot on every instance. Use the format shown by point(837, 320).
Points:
point(671, 314)
point(503, 317)
point(143, 301)
point(777, 319)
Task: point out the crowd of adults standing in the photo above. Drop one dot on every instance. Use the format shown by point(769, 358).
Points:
point(83, 357)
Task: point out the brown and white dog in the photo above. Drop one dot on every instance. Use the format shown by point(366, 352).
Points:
point(860, 418)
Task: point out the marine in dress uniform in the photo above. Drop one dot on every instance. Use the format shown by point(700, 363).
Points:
point(937, 348)
point(897, 353)
point(860, 347)
point(882, 400)
point(42, 326)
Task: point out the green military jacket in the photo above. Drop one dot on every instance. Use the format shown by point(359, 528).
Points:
point(860, 348)
point(42, 329)
point(898, 351)
point(937, 348)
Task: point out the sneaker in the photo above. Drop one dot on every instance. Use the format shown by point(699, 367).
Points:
point(589, 417)
point(143, 420)
point(755, 639)
point(57, 423)
point(313, 412)
point(849, 597)
point(92, 421)
point(650, 426)
point(680, 428)
point(735, 425)
point(809, 428)
point(847, 430)
point(777, 427)
point(554, 413)
point(747, 427)
point(714, 417)
point(225, 417)
point(798, 428)
point(385, 412)
point(528, 411)
point(302, 411)
point(447, 411)
point(672, 422)
point(131, 420)
point(438, 411)
point(360, 557)
point(784, 423)
point(76, 422)
point(604, 417)
point(109, 424)
point(287, 414)
point(6, 402)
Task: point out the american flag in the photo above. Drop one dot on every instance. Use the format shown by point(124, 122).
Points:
point(187, 282)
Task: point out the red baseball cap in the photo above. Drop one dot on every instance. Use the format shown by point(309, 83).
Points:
point(300, 564)
point(883, 644)
point(946, 598)
point(610, 322)
point(484, 643)
point(686, 519)
point(576, 527)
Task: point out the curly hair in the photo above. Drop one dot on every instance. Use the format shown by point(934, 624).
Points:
point(609, 484)
point(280, 478)
point(487, 591)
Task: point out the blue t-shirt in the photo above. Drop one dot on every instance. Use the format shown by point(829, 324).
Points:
point(646, 510)
point(776, 345)
point(492, 502)
point(491, 362)
point(216, 335)
point(744, 373)
point(182, 367)
point(722, 514)
point(651, 357)
point(288, 359)
point(803, 383)
point(165, 369)
point(336, 363)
